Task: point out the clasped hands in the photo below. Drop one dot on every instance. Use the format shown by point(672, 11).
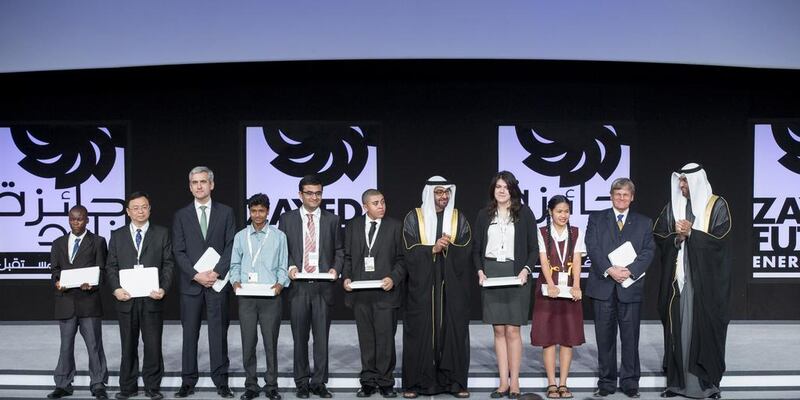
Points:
point(85, 286)
point(683, 228)
point(619, 274)
point(441, 244)
point(207, 278)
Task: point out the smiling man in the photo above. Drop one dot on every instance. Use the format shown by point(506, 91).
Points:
point(617, 306)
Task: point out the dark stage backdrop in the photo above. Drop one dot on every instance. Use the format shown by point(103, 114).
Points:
point(427, 117)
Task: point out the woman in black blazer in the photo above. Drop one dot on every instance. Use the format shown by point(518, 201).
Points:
point(506, 246)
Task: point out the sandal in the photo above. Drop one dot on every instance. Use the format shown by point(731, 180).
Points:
point(564, 392)
point(410, 394)
point(552, 392)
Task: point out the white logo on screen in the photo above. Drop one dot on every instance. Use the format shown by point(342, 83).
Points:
point(341, 155)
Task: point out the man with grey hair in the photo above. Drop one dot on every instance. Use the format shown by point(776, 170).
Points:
point(617, 289)
point(198, 226)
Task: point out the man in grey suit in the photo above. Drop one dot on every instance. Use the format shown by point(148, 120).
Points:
point(615, 303)
point(79, 308)
point(140, 245)
point(196, 227)
point(315, 245)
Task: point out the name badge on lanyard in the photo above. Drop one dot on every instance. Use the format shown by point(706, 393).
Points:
point(563, 275)
point(313, 259)
point(138, 266)
point(501, 255)
point(369, 264)
point(501, 252)
point(252, 277)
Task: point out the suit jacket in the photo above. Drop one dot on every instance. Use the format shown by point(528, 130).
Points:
point(526, 246)
point(188, 244)
point(388, 252)
point(331, 253)
point(602, 237)
point(77, 302)
point(156, 252)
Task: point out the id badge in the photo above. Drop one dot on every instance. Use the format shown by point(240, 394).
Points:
point(252, 277)
point(313, 259)
point(501, 255)
point(369, 264)
point(562, 278)
point(138, 266)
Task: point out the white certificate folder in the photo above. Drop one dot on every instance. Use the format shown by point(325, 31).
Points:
point(207, 262)
point(72, 278)
point(623, 256)
point(255, 289)
point(139, 282)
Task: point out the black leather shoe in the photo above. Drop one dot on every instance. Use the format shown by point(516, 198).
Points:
point(322, 392)
point(249, 394)
point(123, 395)
point(225, 392)
point(273, 394)
point(668, 393)
point(153, 394)
point(59, 393)
point(388, 392)
point(302, 392)
point(600, 392)
point(184, 391)
point(365, 391)
point(632, 393)
point(717, 395)
point(100, 394)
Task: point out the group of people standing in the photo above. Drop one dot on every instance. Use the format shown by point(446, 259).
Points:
point(427, 264)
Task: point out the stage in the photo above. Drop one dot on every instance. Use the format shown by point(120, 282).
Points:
point(763, 361)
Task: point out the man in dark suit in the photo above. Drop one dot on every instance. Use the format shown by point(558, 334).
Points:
point(374, 250)
point(616, 303)
point(79, 308)
point(140, 245)
point(196, 227)
point(315, 245)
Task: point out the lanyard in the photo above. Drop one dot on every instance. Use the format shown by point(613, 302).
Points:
point(254, 258)
point(561, 255)
point(502, 224)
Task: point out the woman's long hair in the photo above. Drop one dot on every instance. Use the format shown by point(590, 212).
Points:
point(513, 190)
point(548, 240)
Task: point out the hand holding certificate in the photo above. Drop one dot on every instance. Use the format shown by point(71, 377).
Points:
point(206, 263)
point(72, 278)
point(623, 256)
point(255, 289)
point(139, 282)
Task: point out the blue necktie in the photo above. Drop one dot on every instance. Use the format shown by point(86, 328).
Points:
point(619, 221)
point(138, 238)
point(75, 249)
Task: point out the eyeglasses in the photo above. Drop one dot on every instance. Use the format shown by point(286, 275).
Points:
point(442, 192)
point(312, 194)
point(139, 208)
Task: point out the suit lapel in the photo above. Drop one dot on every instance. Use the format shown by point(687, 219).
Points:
point(85, 244)
point(361, 236)
point(148, 238)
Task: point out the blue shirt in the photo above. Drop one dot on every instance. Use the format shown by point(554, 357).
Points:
point(271, 264)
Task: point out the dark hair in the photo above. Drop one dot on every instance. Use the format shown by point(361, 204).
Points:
point(369, 192)
point(513, 191)
point(548, 240)
point(258, 199)
point(136, 195)
point(80, 209)
point(309, 180)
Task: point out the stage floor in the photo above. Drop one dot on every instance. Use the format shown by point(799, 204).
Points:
point(763, 361)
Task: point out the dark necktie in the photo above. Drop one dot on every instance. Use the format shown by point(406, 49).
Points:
point(373, 224)
point(619, 221)
point(138, 239)
point(75, 249)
